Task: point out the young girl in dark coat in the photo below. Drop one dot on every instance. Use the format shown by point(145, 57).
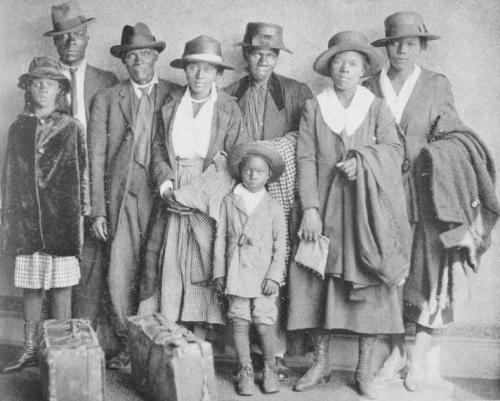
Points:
point(43, 190)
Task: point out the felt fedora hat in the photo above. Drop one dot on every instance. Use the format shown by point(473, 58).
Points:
point(263, 149)
point(262, 34)
point(136, 37)
point(44, 67)
point(349, 41)
point(202, 48)
point(404, 24)
point(67, 17)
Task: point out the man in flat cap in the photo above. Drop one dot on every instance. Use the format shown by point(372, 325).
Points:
point(71, 40)
point(123, 120)
point(271, 105)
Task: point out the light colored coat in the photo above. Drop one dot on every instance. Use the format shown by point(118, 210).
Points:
point(250, 248)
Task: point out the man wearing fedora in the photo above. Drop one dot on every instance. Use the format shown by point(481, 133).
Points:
point(123, 120)
point(271, 105)
point(71, 40)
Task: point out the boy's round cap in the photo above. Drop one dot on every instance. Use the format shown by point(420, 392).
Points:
point(263, 149)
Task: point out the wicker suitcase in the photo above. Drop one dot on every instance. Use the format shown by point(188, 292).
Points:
point(169, 363)
point(72, 362)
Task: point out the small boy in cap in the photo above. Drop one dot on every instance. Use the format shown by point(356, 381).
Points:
point(249, 257)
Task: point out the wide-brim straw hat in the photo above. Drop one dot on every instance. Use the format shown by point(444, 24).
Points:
point(404, 24)
point(263, 149)
point(263, 35)
point(44, 67)
point(67, 17)
point(202, 48)
point(135, 38)
point(349, 41)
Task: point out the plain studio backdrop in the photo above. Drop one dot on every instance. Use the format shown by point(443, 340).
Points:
point(468, 53)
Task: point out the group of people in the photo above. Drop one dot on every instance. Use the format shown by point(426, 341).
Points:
point(156, 197)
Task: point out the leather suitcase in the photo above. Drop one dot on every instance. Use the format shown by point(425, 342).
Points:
point(169, 363)
point(71, 361)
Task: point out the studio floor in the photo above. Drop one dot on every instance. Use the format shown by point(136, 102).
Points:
point(25, 386)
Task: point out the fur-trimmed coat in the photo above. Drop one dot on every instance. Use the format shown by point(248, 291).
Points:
point(44, 186)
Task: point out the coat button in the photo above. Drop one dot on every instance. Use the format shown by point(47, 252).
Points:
point(474, 203)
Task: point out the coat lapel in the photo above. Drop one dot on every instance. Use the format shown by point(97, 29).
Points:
point(414, 100)
point(88, 89)
point(220, 121)
point(126, 104)
point(168, 114)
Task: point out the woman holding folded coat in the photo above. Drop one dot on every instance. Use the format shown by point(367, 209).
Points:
point(350, 190)
point(422, 104)
point(198, 122)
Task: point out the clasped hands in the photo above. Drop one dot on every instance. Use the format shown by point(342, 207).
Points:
point(269, 287)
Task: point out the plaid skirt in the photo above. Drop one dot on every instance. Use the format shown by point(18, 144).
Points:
point(43, 271)
point(179, 299)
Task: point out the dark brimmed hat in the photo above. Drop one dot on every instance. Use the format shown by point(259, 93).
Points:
point(202, 48)
point(262, 34)
point(67, 17)
point(44, 67)
point(263, 149)
point(349, 41)
point(404, 24)
point(136, 37)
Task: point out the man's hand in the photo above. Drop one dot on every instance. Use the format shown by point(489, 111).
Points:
point(269, 287)
point(311, 225)
point(100, 228)
point(348, 167)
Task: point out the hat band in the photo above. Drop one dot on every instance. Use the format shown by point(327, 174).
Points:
point(69, 23)
point(406, 30)
point(210, 58)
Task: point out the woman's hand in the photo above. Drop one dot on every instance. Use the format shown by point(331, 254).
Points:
point(219, 285)
point(100, 228)
point(348, 167)
point(311, 225)
point(174, 206)
point(269, 287)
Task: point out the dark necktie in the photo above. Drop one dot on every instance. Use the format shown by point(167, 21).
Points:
point(74, 98)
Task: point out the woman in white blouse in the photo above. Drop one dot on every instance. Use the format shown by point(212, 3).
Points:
point(418, 99)
point(197, 122)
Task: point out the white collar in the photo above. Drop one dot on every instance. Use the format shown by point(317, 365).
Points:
point(250, 199)
point(137, 87)
point(397, 102)
point(81, 66)
point(339, 118)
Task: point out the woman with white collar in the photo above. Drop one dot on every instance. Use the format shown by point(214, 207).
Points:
point(418, 98)
point(197, 123)
point(347, 135)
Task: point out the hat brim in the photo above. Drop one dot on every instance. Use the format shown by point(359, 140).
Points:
point(243, 44)
point(383, 42)
point(119, 50)
point(375, 58)
point(25, 78)
point(263, 149)
point(181, 62)
point(80, 26)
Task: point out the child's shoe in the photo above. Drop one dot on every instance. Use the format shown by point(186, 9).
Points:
point(246, 384)
point(270, 380)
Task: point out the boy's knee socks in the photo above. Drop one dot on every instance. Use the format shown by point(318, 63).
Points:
point(241, 338)
point(267, 342)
